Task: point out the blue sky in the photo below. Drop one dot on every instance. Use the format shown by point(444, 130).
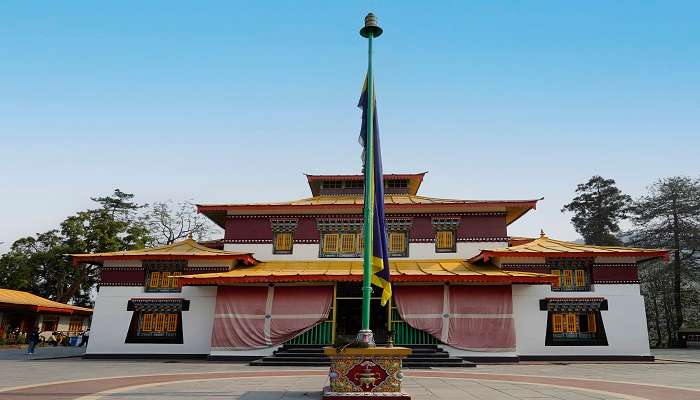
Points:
point(232, 102)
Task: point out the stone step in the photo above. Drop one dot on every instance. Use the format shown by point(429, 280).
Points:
point(282, 354)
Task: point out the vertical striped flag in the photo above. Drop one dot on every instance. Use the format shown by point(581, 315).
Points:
point(375, 187)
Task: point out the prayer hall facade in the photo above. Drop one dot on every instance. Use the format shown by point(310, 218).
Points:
point(291, 273)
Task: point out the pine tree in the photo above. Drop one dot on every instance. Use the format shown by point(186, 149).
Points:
point(669, 217)
point(598, 208)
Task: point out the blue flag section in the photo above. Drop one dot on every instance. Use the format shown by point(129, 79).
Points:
point(380, 254)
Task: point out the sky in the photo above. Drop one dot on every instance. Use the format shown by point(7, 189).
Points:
point(233, 101)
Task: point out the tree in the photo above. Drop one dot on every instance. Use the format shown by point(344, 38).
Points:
point(598, 208)
point(39, 263)
point(669, 217)
point(169, 222)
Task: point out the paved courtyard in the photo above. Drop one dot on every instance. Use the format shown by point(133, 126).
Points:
point(75, 378)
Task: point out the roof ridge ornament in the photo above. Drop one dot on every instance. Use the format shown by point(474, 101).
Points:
point(542, 234)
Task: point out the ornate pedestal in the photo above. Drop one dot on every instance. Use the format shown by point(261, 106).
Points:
point(366, 373)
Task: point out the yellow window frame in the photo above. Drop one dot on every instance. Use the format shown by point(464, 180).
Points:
point(347, 243)
point(571, 323)
point(165, 279)
point(445, 240)
point(283, 242)
point(591, 323)
point(331, 242)
point(557, 324)
point(147, 323)
point(397, 242)
point(171, 323)
point(580, 278)
point(568, 278)
point(154, 281)
point(159, 325)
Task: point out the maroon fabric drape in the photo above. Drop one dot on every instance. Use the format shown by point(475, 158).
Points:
point(478, 318)
point(250, 317)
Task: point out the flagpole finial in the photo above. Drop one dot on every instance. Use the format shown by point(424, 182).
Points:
point(371, 26)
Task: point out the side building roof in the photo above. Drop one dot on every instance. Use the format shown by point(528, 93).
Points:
point(16, 299)
point(546, 247)
point(187, 249)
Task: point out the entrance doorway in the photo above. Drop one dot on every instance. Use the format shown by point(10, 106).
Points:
point(349, 314)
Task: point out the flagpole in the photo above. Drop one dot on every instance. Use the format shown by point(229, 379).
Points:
point(370, 31)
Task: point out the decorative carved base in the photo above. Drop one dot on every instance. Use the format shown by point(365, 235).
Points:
point(328, 395)
point(366, 372)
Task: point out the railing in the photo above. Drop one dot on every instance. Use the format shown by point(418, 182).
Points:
point(321, 333)
point(403, 333)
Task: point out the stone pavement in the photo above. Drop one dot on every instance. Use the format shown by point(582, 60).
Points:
point(685, 355)
point(63, 379)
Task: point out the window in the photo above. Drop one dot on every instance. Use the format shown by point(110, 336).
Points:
point(156, 320)
point(397, 183)
point(573, 274)
point(348, 243)
point(157, 324)
point(567, 278)
point(557, 325)
point(332, 184)
point(354, 184)
point(398, 245)
point(341, 245)
point(162, 276)
point(283, 243)
point(580, 278)
point(75, 324)
point(330, 243)
point(352, 245)
point(445, 242)
point(49, 323)
point(575, 329)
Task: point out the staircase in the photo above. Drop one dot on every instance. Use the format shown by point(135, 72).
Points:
point(309, 355)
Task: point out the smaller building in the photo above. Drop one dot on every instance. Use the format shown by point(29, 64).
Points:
point(689, 336)
point(22, 311)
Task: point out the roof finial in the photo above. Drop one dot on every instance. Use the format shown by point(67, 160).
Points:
point(542, 233)
point(189, 236)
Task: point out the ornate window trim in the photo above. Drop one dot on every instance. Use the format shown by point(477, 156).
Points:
point(575, 321)
point(338, 225)
point(157, 321)
point(574, 274)
point(161, 275)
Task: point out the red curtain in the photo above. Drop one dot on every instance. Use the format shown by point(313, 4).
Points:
point(250, 317)
point(478, 318)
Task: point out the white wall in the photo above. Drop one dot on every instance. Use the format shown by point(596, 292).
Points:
point(625, 321)
point(416, 251)
point(111, 320)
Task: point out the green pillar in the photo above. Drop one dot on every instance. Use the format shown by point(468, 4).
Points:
point(371, 30)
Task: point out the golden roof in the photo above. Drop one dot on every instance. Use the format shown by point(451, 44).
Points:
point(182, 250)
point(337, 271)
point(350, 204)
point(9, 297)
point(546, 247)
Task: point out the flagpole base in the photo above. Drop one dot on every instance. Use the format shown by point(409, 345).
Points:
point(366, 336)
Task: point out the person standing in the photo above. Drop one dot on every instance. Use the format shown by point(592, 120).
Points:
point(86, 336)
point(32, 340)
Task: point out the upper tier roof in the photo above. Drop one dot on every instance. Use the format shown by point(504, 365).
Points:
point(187, 249)
point(351, 271)
point(24, 300)
point(352, 204)
point(546, 247)
point(316, 181)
